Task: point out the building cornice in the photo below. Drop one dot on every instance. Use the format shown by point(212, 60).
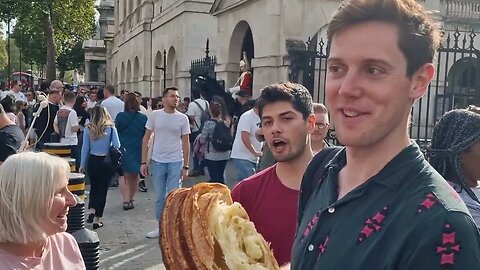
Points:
point(215, 7)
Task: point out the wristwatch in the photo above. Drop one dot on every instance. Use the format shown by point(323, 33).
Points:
point(185, 167)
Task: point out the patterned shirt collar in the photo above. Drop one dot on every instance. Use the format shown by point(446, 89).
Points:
point(408, 157)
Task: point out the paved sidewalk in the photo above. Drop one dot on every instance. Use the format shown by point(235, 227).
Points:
point(123, 244)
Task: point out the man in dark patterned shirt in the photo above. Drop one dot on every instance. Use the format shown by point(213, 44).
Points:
point(379, 204)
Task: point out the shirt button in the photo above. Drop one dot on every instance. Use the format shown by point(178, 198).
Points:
point(331, 210)
point(310, 247)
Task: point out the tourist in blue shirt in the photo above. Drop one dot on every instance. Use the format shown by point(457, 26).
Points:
point(97, 138)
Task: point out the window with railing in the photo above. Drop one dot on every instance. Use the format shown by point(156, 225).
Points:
point(463, 9)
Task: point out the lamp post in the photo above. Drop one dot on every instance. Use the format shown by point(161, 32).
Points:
point(164, 69)
point(21, 45)
point(9, 52)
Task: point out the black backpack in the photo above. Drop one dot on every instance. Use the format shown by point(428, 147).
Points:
point(222, 139)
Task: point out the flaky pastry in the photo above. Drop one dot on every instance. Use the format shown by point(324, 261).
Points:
point(201, 228)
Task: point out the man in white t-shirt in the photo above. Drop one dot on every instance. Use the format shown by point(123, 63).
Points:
point(246, 148)
point(171, 150)
point(195, 110)
point(15, 91)
point(66, 121)
point(113, 104)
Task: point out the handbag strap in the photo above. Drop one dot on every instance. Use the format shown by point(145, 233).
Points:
point(201, 109)
point(111, 134)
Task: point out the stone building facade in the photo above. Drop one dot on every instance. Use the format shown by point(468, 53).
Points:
point(270, 32)
point(156, 35)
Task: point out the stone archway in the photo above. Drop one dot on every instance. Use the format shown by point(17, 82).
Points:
point(171, 67)
point(121, 84)
point(128, 79)
point(115, 78)
point(135, 78)
point(157, 75)
point(241, 41)
point(463, 83)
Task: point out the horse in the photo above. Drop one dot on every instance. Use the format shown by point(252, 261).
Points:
point(209, 87)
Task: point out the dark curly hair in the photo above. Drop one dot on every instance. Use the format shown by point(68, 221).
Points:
point(455, 133)
point(295, 93)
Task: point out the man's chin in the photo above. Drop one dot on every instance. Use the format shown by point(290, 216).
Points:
point(284, 158)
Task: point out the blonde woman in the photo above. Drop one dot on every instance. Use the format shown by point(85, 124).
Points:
point(34, 202)
point(98, 135)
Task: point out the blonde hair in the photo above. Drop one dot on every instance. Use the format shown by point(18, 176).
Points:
point(100, 121)
point(28, 184)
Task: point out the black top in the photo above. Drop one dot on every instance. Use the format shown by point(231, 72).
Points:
point(43, 120)
point(11, 138)
point(83, 115)
point(405, 217)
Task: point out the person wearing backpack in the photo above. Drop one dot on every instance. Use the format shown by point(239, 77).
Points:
point(216, 134)
point(197, 115)
point(66, 122)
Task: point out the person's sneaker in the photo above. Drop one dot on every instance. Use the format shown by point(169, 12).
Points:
point(142, 186)
point(153, 234)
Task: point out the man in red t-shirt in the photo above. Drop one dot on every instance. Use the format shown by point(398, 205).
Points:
point(271, 196)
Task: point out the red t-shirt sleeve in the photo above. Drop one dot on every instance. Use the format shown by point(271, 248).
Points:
point(237, 193)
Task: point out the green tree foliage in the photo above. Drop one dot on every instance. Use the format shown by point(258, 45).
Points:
point(70, 59)
point(3, 53)
point(16, 64)
point(50, 28)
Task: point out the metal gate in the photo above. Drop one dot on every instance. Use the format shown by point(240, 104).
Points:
point(455, 86)
point(203, 67)
point(308, 66)
point(456, 83)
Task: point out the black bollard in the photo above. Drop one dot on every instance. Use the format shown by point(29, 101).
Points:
point(76, 184)
point(59, 149)
point(76, 216)
point(89, 247)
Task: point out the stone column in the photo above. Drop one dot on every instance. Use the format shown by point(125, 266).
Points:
point(109, 68)
point(88, 71)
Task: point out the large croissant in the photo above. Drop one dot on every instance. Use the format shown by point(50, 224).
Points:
point(201, 228)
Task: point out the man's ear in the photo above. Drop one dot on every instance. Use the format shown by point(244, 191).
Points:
point(421, 79)
point(311, 120)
